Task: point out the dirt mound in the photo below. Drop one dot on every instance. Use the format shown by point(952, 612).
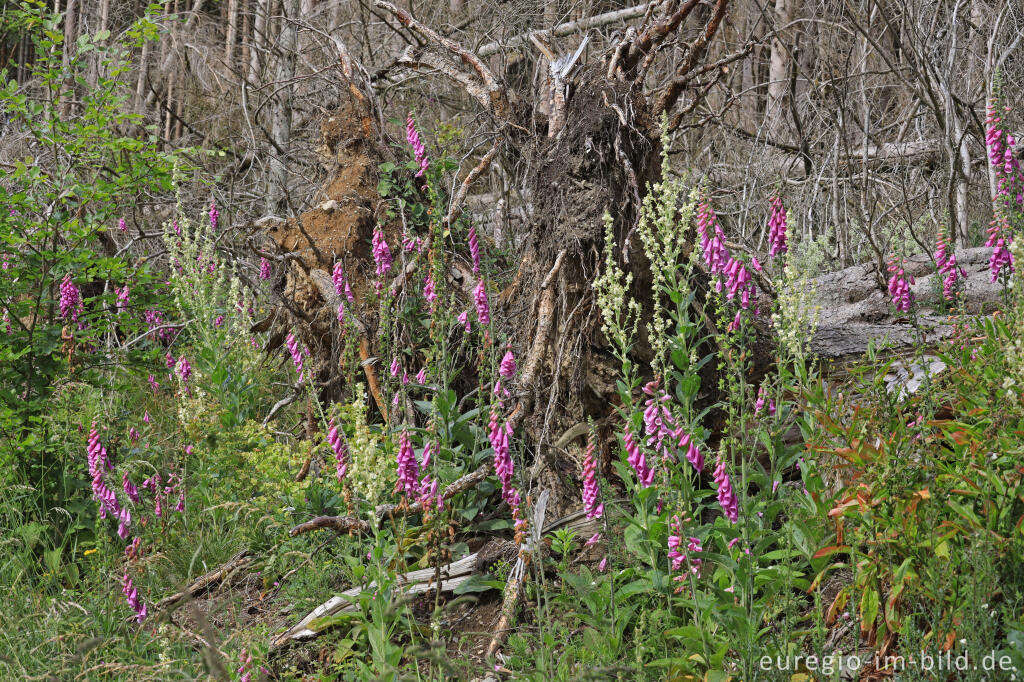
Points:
point(340, 227)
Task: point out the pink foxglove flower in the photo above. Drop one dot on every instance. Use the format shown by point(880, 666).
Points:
point(760, 402)
point(129, 489)
point(381, 253)
point(70, 299)
point(738, 281)
point(658, 420)
point(184, 369)
point(899, 287)
point(593, 540)
point(498, 434)
point(637, 460)
point(408, 468)
point(1001, 258)
point(121, 225)
point(777, 228)
point(464, 320)
point(245, 669)
point(99, 462)
point(214, 215)
point(396, 367)
point(693, 453)
point(590, 487)
point(133, 435)
point(338, 277)
point(125, 522)
point(946, 262)
point(601, 567)
point(726, 496)
point(293, 350)
point(421, 376)
point(340, 451)
point(134, 600)
point(264, 269)
point(508, 365)
point(429, 293)
point(483, 308)
point(412, 136)
point(675, 544)
point(122, 296)
point(474, 249)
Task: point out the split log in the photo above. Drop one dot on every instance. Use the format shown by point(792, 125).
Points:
point(415, 582)
point(452, 575)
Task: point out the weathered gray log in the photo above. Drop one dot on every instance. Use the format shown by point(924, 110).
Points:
point(855, 309)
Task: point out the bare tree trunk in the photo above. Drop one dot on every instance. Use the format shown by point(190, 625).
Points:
point(281, 123)
point(259, 38)
point(778, 71)
point(140, 85)
point(104, 15)
point(232, 32)
point(70, 36)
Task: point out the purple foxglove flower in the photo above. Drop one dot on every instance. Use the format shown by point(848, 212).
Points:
point(777, 228)
point(428, 292)
point(464, 319)
point(381, 253)
point(498, 435)
point(338, 277)
point(726, 496)
point(264, 269)
point(637, 460)
point(184, 369)
point(121, 225)
point(508, 365)
point(125, 519)
point(408, 468)
point(483, 308)
point(590, 487)
point(145, 417)
point(134, 600)
point(214, 214)
point(293, 349)
point(418, 150)
point(396, 367)
point(70, 299)
point(693, 453)
point(474, 249)
point(899, 287)
point(129, 489)
point(133, 435)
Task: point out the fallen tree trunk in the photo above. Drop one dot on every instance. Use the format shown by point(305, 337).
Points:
point(855, 308)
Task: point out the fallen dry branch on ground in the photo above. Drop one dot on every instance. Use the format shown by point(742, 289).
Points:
point(344, 524)
point(209, 580)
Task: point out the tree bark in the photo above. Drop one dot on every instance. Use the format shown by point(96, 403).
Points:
point(281, 124)
point(778, 70)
